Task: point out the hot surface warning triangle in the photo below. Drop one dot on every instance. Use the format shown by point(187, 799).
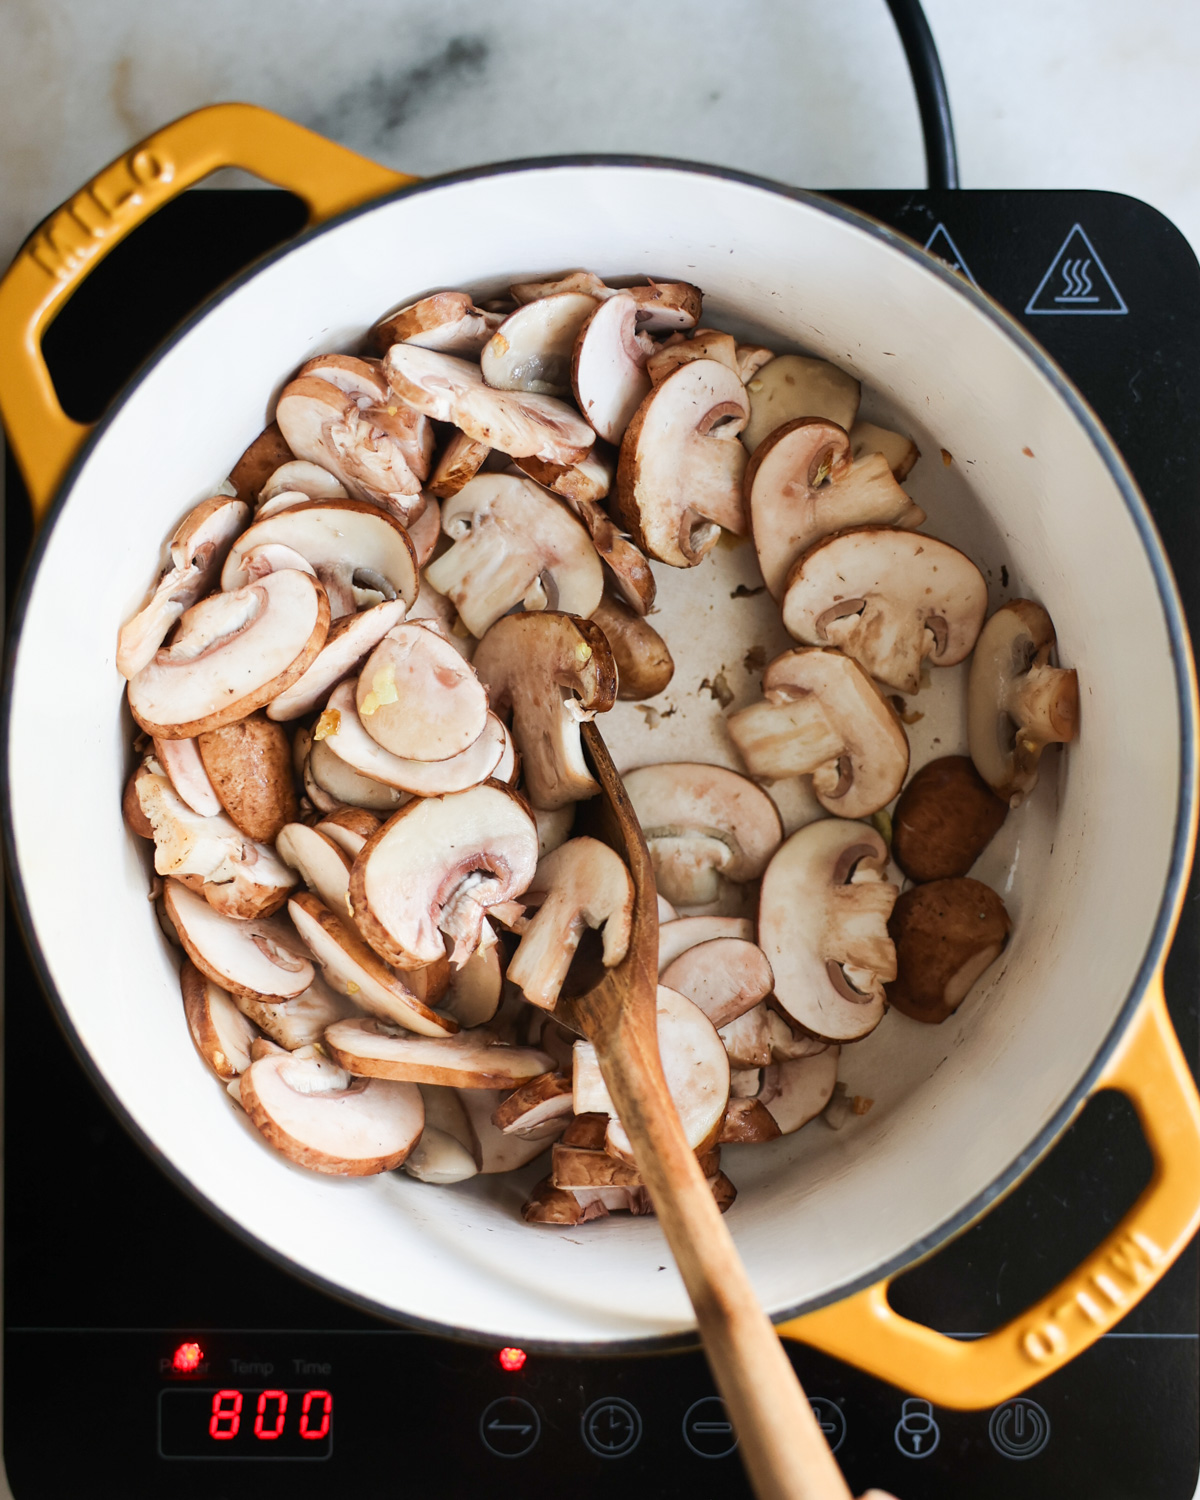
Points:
point(1076, 281)
point(940, 244)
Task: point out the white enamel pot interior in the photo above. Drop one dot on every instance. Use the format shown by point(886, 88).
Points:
point(1091, 874)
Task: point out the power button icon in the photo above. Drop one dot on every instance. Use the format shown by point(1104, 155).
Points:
point(1019, 1429)
point(917, 1433)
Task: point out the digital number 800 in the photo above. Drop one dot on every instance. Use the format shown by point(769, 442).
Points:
point(316, 1412)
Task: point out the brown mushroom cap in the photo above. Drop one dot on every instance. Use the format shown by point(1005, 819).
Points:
point(680, 471)
point(265, 454)
point(822, 923)
point(320, 1118)
point(532, 348)
point(1017, 703)
point(608, 370)
point(448, 321)
point(822, 715)
point(795, 385)
point(417, 698)
point(249, 765)
point(349, 828)
point(703, 824)
point(946, 934)
point(460, 461)
point(643, 662)
point(513, 544)
point(889, 599)
point(371, 1048)
point(667, 306)
point(945, 818)
point(232, 653)
point(499, 1150)
point(222, 1034)
point(628, 566)
point(802, 485)
point(724, 976)
point(262, 957)
point(545, 1101)
point(747, 1122)
point(553, 671)
point(347, 645)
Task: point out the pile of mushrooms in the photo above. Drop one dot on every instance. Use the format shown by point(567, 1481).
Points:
point(360, 677)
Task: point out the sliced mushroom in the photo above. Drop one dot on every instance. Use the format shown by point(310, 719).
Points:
point(945, 818)
point(195, 555)
point(361, 555)
point(576, 1167)
point(946, 933)
point(538, 1108)
point(789, 1040)
point(231, 654)
point(426, 531)
point(461, 460)
point(588, 480)
point(547, 1204)
point(349, 828)
point(802, 485)
point(501, 1151)
point(899, 453)
point(553, 671)
point(262, 957)
point(667, 306)
point(744, 1083)
point(644, 664)
point(417, 698)
point(822, 923)
point(1017, 703)
point(676, 936)
point(680, 473)
point(436, 866)
point(430, 605)
point(222, 1034)
point(532, 348)
point(352, 969)
point(705, 343)
point(300, 478)
point(321, 1118)
point(583, 884)
point(448, 321)
point(439, 1158)
point(180, 759)
point(725, 976)
point(513, 544)
point(796, 1092)
point(370, 1048)
point(747, 1040)
point(249, 765)
point(821, 715)
point(554, 826)
point(568, 281)
point(795, 385)
point(747, 1122)
point(300, 1022)
point(627, 564)
point(608, 370)
point(704, 825)
point(320, 863)
point(516, 422)
point(890, 599)
point(446, 1110)
point(331, 783)
point(266, 453)
point(750, 360)
point(349, 642)
point(473, 992)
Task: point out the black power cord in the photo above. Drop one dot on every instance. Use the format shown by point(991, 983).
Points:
point(941, 158)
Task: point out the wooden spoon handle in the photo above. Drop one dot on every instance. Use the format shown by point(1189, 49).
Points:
point(781, 1443)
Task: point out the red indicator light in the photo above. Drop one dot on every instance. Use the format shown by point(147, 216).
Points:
point(512, 1359)
point(187, 1358)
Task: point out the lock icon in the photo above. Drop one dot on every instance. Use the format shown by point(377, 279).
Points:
point(917, 1432)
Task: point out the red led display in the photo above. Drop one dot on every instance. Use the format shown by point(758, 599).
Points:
point(261, 1430)
point(187, 1358)
point(226, 1416)
point(202, 1422)
point(512, 1359)
point(307, 1430)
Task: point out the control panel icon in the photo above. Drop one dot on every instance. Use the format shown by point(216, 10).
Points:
point(510, 1427)
point(612, 1427)
point(1019, 1428)
point(707, 1430)
point(917, 1433)
point(831, 1420)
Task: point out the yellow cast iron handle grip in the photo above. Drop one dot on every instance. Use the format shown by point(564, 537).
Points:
point(77, 236)
point(1150, 1069)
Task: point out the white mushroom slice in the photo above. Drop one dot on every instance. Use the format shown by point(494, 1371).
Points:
point(448, 321)
point(439, 1158)
point(371, 1048)
point(608, 371)
point(446, 1111)
point(823, 716)
point(300, 1022)
point(554, 826)
point(747, 1039)
point(285, 500)
point(516, 422)
point(553, 671)
point(588, 480)
point(532, 348)
point(472, 997)
point(320, 1118)
point(259, 957)
point(425, 532)
point(678, 935)
point(352, 969)
point(796, 1092)
point(744, 1083)
point(222, 1034)
point(802, 485)
point(180, 759)
point(461, 460)
point(360, 554)
point(679, 479)
point(789, 1041)
point(724, 976)
point(1017, 703)
point(272, 557)
point(236, 876)
point(703, 825)
point(417, 698)
point(513, 544)
point(323, 867)
point(498, 1150)
point(326, 426)
point(350, 828)
point(666, 912)
point(583, 884)
point(328, 779)
point(195, 555)
point(705, 343)
point(360, 378)
point(344, 733)
point(890, 599)
point(436, 866)
point(796, 386)
point(299, 477)
point(695, 1066)
point(231, 654)
point(750, 360)
point(899, 452)
point(430, 605)
point(569, 281)
point(667, 306)
point(537, 1109)
point(508, 768)
point(822, 923)
point(346, 647)
point(644, 664)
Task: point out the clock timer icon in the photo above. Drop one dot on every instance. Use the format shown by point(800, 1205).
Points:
point(612, 1427)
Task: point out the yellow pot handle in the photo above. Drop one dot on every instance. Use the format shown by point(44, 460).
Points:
point(77, 236)
point(863, 1330)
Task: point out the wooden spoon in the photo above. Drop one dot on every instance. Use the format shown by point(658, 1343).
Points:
point(781, 1442)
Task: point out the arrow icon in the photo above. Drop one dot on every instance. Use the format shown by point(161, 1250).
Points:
point(521, 1427)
